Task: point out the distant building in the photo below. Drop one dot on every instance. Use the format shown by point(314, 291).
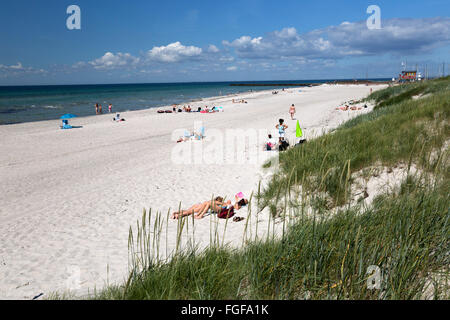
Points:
point(407, 76)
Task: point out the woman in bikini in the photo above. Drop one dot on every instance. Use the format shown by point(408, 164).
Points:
point(292, 111)
point(200, 209)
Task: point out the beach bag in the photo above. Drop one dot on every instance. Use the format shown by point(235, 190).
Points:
point(283, 145)
point(226, 213)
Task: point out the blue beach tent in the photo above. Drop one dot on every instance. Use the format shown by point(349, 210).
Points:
point(65, 121)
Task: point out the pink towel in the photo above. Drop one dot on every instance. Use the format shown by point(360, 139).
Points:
point(240, 195)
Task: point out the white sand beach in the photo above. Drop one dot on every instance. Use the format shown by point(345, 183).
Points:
point(69, 197)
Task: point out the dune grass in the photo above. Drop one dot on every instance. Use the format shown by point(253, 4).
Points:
point(407, 132)
point(404, 234)
point(399, 93)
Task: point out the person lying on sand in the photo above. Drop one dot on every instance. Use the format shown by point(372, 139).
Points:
point(239, 203)
point(187, 136)
point(200, 209)
point(117, 118)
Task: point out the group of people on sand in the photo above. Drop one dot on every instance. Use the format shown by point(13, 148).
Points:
point(98, 108)
point(282, 143)
point(189, 109)
point(281, 126)
point(238, 101)
point(346, 107)
point(224, 209)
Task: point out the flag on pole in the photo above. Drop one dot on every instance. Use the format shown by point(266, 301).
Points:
point(298, 131)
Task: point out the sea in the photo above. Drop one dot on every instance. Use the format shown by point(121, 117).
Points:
point(37, 103)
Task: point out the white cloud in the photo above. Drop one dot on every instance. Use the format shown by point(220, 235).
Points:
point(213, 49)
point(282, 50)
point(397, 36)
point(110, 61)
point(19, 69)
point(79, 64)
point(244, 43)
point(226, 59)
point(173, 52)
point(18, 66)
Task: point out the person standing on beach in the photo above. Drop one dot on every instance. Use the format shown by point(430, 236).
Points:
point(281, 129)
point(110, 108)
point(292, 111)
point(100, 109)
point(96, 108)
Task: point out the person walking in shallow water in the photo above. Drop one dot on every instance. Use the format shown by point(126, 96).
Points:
point(96, 108)
point(292, 111)
point(110, 108)
point(100, 109)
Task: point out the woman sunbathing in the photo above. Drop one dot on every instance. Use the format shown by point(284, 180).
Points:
point(200, 209)
point(240, 202)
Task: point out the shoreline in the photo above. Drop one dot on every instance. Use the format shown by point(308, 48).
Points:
point(199, 99)
point(193, 101)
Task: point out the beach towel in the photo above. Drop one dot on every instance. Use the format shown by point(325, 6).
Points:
point(283, 146)
point(226, 213)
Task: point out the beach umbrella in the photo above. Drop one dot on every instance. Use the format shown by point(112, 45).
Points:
point(298, 131)
point(68, 116)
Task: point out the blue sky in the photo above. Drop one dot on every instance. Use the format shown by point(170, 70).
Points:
point(172, 41)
